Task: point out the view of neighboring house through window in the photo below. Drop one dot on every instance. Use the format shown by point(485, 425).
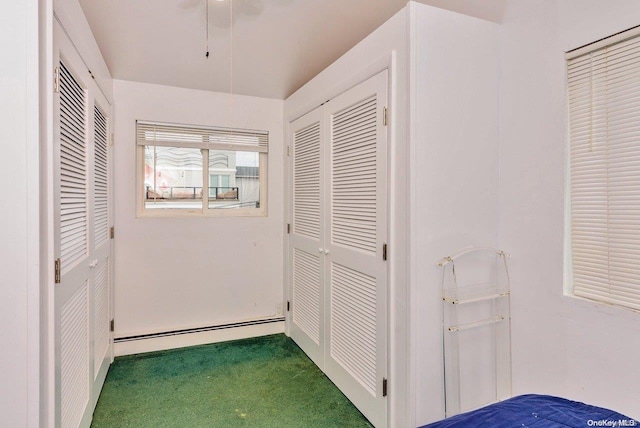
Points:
point(173, 177)
point(201, 169)
point(228, 180)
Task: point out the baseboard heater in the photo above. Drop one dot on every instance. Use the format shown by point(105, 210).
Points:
point(197, 329)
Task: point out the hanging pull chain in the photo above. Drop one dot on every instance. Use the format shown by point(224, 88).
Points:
point(231, 64)
point(231, 50)
point(207, 27)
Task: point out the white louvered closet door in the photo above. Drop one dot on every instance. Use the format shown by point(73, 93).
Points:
point(81, 241)
point(307, 233)
point(356, 212)
point(101, 255)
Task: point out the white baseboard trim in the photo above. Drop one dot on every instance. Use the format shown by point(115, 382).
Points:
point(161, 342)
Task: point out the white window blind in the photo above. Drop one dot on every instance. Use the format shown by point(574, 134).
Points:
point(604, 162)
point(168, 135)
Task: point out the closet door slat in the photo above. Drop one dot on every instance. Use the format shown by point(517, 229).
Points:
point(73, 170)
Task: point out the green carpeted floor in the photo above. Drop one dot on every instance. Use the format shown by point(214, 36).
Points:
point(261, 382)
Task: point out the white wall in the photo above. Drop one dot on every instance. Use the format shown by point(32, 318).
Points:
point(454, 164)
point(19, 215)
point(561, 345)
point(176, 273)
point(385, 48)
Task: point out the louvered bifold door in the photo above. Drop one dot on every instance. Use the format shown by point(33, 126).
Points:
point(82, 244)
point(306, 236)
point(72, 238)
point(101, 246)
point(356, 210)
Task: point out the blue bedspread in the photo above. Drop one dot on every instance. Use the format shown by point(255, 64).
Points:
point(538, 411)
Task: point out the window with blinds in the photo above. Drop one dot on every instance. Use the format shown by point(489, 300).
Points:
point(604, 169)
point(201, 170)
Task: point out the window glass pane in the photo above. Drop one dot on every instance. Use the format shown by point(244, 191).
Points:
point(234, 179)
point(172, 178)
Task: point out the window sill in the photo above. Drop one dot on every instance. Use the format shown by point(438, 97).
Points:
point(174, 213)
point(584, 303)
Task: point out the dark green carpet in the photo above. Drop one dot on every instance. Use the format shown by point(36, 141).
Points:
point(261, 382)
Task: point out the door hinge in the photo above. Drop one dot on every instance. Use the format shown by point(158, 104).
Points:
point(56, 80)
point(288, 227)
point(384, 116)
point(384, 252)
point(112, 325)
point(384, 387)
point(57, 271)
point(288, 306)
point(112, 232)
point(288, 150)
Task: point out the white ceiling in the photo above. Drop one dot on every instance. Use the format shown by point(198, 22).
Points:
point(276, 45)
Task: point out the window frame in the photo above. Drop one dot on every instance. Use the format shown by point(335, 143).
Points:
point(204, 211)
